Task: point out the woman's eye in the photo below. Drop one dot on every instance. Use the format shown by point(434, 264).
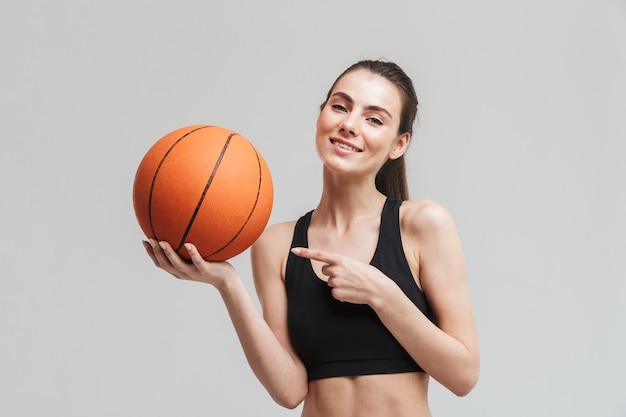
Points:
point(339, 107)
point(375, 120)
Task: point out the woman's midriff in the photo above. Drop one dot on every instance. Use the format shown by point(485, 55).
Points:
point(393, 395)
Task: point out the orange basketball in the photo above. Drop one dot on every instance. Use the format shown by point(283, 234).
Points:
point(205, 185)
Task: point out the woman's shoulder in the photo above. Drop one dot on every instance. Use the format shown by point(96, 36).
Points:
point(424, 215)
point(279, 230)
point(270, 251)
point(275, 239)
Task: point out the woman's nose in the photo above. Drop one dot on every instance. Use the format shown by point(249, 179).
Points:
point(349, 126)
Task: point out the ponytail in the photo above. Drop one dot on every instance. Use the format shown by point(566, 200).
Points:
point(391, 179)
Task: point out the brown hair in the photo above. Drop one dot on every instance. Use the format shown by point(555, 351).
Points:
point(391, 179)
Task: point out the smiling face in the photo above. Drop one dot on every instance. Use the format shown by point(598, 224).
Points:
point(357, 129)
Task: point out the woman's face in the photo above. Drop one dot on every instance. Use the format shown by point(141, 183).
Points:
point(357, 130)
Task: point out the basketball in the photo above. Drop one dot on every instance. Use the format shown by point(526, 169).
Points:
point(205, 185)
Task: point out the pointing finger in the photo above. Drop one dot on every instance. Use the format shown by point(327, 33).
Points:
point(315, 254)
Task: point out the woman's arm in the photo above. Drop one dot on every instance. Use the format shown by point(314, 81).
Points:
point(285, 376)
point(449, 351)
point(264, 342)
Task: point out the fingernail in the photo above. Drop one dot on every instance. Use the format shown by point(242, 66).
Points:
point(296, 251)
point(152, 243)
point(162, 245)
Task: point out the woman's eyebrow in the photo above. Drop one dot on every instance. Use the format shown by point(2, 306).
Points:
point(347, 98)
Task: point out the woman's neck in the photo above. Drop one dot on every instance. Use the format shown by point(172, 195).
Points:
point(344, 201)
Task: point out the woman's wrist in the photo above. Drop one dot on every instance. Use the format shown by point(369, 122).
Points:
point(230, 284)
point(384, 294)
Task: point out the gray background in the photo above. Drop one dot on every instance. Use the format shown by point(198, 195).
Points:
point(521, 136)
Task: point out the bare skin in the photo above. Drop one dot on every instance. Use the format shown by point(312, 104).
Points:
point(369, 396)
point(356, 133)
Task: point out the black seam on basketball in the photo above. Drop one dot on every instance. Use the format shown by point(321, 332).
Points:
point(156, 172)
point(206, 189)
point(256, 201)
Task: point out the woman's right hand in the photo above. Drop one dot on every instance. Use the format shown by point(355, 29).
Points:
point(199, 270)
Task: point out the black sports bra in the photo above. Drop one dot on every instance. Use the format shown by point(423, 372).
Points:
point(343, 339)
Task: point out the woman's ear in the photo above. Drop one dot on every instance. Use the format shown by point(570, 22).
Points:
point(402, 143)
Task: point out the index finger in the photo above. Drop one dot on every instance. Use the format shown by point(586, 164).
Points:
point(316, 254)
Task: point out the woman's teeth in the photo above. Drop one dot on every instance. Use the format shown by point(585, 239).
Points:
point(345, 146)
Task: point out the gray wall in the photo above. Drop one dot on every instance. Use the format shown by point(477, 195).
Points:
point(522, 136)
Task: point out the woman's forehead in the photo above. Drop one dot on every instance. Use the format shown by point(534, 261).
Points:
point(373, 89)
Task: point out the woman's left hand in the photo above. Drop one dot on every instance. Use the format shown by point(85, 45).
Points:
point(166, 258)
point(350, 280)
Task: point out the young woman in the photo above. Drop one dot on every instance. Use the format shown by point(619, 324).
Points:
point(365, 297)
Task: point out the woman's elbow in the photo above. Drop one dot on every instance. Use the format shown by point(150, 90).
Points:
point(289, 399)
point(289, 404)
point(462, 391)
point(464, 385)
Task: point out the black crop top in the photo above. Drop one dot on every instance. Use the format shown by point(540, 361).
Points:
point(343, 339)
